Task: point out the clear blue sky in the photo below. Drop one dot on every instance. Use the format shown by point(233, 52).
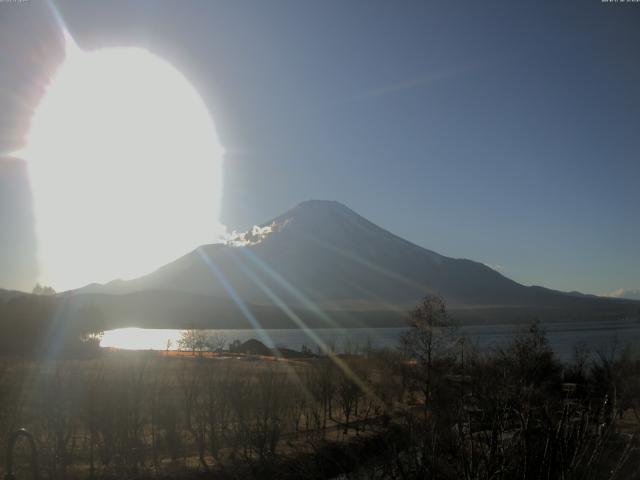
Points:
point(505, 132)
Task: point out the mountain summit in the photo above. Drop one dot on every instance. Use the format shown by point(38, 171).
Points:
point(322, 257)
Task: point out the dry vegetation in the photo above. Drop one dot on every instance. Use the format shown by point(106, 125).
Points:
point(433, 408)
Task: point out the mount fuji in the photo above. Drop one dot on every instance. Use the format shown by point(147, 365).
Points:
point(322, 264)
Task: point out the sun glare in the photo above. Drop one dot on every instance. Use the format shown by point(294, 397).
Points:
point(125, 166)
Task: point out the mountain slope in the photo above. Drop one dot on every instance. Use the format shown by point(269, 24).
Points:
point(321, 256)
point(6, 295)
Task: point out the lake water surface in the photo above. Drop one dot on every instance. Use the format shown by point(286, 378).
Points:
point(563, 336)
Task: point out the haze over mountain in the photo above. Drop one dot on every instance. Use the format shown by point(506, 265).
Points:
point(322, 259)
point(628, 293)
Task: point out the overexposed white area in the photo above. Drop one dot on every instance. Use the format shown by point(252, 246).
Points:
point(125, 166)
point(141, 338)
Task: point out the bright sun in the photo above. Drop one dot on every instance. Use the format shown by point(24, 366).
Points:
point(125, 167)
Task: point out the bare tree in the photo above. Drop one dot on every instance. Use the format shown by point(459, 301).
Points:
point(193, 340)
point(216, 341)
point(43, 290)
point(348, 393)
point(321, 383)
point(428, 341)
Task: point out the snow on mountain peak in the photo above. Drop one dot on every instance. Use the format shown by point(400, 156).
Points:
point(254, 235)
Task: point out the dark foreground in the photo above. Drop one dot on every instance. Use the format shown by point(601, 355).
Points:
point(432, 408)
